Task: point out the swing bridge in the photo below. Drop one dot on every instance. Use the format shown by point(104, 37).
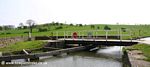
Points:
point(96, 37)
point(85, 39)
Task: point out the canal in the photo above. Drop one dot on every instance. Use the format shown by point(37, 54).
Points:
point(104, 57)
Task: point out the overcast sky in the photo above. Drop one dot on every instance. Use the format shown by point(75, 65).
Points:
point(75, 11)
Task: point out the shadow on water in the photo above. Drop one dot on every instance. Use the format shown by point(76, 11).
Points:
point(106, 57)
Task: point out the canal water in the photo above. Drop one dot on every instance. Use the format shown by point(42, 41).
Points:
point(104, 57)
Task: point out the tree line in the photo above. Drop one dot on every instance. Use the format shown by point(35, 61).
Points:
point(30, 24)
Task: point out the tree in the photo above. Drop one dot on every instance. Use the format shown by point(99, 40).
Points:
point(53, 23)
point(92, 26)
point(107, 28)
point(123, 29)
point(61, 23)
point(57, 23)
point(21, 25)
point(1, 28)
point(80, 25)
point(30, 23)
point(71, 24)
point(98, 27)
point(25, 27)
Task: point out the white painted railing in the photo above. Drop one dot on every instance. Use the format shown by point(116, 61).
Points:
point(95, 33)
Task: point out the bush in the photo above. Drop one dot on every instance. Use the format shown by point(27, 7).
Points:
point(25, 27)
point(26, 32)
point(42, 29)
point(61, 23)
point(71, 24)
point(8, 33)
point(19, 27)
point(123, 29)
point(92, 26)
point(80, 25)
point(2, 33)
point(60, 27)
point(107, 28)
point(98, 27)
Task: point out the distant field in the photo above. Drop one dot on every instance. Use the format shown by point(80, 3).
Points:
point(135, 29)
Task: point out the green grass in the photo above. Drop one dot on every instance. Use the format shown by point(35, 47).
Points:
point(23, 45)
point(133, 28)
point(144, 48)
point(52, 29)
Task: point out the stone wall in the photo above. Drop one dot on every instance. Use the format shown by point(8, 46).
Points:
point(11, 40)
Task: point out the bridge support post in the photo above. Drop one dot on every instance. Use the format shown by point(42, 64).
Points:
point(106, 34)
point(67, 34)
point(120, 35)
point(64, 34)
point(57, 35)
point(131, 36)
point(96, 34)
point(79, 35)
point(82, 35)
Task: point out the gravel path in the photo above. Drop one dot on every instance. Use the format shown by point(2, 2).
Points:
point(145, 40)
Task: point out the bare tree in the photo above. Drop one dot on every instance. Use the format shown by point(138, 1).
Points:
point(30, 23)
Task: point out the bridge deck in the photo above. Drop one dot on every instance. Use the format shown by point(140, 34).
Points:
point(100, 42)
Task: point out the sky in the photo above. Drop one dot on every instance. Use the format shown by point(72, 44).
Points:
point(13, 12)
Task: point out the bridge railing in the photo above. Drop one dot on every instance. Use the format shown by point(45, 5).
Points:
point(95, 34)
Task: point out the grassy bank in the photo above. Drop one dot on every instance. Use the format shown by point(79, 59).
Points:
point(142, 47)
point(23, 45)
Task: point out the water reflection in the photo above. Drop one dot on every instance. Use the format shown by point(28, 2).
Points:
point(111, 52)
point(106, 57)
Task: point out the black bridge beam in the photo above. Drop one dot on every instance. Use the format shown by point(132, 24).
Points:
point(108, 43)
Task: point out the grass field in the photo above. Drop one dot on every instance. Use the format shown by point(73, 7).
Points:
point(135, 29)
